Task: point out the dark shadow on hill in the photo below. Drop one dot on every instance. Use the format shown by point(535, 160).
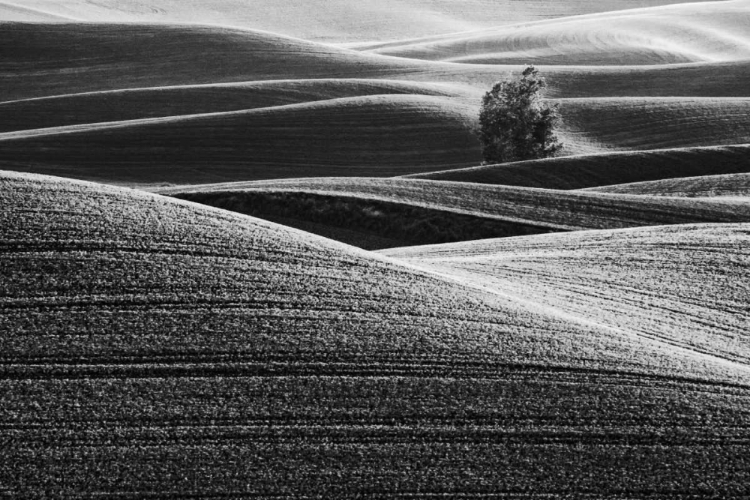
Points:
point(368, 224)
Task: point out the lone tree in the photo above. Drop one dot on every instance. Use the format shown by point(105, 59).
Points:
point(516, 123)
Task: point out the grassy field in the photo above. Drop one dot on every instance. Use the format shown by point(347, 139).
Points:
point(165, 340)
point(545, 208)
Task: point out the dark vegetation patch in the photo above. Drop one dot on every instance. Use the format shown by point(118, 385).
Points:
point(368, 224)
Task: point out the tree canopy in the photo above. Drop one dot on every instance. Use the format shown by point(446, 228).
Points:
point(516, 123)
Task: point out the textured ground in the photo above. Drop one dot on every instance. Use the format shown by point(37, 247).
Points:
point(588, 171)
point(684, 33)
point(138, 104)
point(708, 186)
point(548, 208)
point(333, 20)
point(681, 284)
point(166, 341)
point(151, 347)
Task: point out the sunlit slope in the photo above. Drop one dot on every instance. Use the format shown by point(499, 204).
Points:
point(373, 136)
point(686, 285)
point(656, 123)
point(146, 340)
point(537, 207)
point(709, 186)
point(28, 13)
point(698, 32)
point(586, 171)
point(119, 105)
point(333, 20)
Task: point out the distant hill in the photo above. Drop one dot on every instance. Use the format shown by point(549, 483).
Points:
point(673, 34)
point(324, 20)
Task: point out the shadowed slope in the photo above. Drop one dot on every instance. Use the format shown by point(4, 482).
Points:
point(535, 207)
point(119, 105)
point(709, 186)
point(338, 20)
point(702, 32)
point(375, 135)
point(686, 285)
point(579, 172)
point(147, 340)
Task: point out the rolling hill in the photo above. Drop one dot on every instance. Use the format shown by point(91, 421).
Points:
point(148, 340)
point(543, 208)
point(588, 171)
point(169, 344)
point(682, 284)
point(684, 33)
point(707, 186)
point(638, 124)
point(330, 20)
point(71, 58)
point(371, 135)
point(77, 99)
point(50, 59)
point(162, 102)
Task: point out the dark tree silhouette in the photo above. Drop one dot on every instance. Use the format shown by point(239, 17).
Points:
point(516, 123)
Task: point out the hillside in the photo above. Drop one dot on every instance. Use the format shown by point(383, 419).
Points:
point(162, 102)
point(708, 186)
point(542, 208)
point(148, 340)
point(57, 59)
point(684, 33)
point(655, 123)
point(88, 91)
point(248, 250)
point(684, 285)
point(372, 135)
point(587, 171)
point(331, 20)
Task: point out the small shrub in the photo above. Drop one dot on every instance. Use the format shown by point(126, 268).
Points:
point(516, 123)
